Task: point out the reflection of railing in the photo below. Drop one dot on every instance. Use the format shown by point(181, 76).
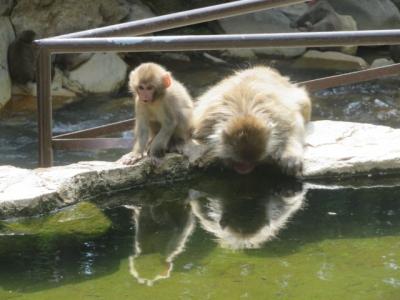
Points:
point(90, 41)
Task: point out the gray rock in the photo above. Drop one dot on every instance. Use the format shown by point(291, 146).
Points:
point(382, 14)
point(6, 37)
point(139, 11)
point(57, 88)
point(5, 7)
point(322, 17)
point(333, 149)
point(29, 192)
point(102, 73)
point(330, 60)
point(268, 21)
point(381, 62)
point(346, 148)
point(65, 16)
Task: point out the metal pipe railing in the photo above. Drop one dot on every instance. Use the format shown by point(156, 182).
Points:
point(179, 19)
point(349, 78)
point(220, 42)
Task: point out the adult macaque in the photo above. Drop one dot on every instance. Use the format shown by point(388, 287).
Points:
point(251, 117)
point(163, 110)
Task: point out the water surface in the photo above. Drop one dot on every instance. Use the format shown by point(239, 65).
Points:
point(212, 238)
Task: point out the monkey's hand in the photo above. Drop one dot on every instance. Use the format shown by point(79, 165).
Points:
point(291, 165)
point(130, 158)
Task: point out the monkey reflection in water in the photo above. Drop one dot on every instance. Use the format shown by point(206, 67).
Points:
point(242, 215)
point(161, 232)
point(245, 214)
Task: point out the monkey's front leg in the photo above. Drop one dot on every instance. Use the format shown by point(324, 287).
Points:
point(291, 158)
point(139, 147)
point(159, 145)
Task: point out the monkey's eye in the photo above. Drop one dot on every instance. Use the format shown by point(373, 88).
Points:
point(150, 88)
point(141, 87)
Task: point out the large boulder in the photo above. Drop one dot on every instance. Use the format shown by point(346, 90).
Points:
point(6, 37)
point(267, 21)
point(55, 17)
point(382, 14)
point(102, 73)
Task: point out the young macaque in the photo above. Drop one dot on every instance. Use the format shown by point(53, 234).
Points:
point(163, 110)
point(251, 117)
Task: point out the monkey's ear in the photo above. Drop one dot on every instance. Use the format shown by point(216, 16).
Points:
point(167, 80)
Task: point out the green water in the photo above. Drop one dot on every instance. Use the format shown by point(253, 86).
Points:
point(231, 238)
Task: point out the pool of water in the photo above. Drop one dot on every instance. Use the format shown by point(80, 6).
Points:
point(217, 237)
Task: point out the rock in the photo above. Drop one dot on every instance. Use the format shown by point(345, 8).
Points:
point(294, 11)
point(139, 11)
point(346, 149)
point(330, 60)
point(57, 89)
point(176, 56)
point(368, 14)
point(214, 59)
point(6, 7)
point(381, 62)
point(65, 16)
point(333, 149)
point(102, 73)
point(321, 16)
point(397, 3)
point(29, 192)
point(24, 193)
point(6, 37)
point(68, 62)
point(268, 21)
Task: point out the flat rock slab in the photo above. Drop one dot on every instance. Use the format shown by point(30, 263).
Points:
point(333, 149)
point(347, 149)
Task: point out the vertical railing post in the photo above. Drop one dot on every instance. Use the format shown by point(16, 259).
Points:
point(44, 108)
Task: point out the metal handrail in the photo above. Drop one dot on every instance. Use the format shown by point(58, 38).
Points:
point(223, 41)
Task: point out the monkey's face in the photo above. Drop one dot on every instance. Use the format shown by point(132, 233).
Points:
point(149, 81)
point(244, 143)
point(146, 92)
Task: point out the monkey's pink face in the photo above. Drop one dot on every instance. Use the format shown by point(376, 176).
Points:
point(243, 167)
point(146, 92)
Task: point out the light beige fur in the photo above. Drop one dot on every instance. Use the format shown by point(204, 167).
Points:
point(254, 102)
point(164, 124)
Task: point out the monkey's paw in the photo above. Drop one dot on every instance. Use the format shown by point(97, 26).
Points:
point(130, 158)
point(292, 165)
point(157, 151)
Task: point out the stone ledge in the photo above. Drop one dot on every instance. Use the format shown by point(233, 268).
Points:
point(333, 149)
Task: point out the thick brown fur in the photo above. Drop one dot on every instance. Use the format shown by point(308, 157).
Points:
point(254, 116)
point(164, 123)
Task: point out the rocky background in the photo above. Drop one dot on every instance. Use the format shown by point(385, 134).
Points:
point(105, 73)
